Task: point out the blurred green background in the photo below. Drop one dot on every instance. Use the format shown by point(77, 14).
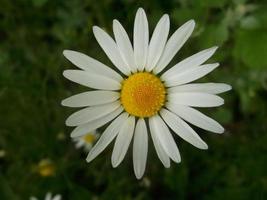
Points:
point(33, 34)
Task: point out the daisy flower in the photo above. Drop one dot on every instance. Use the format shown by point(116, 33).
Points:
point(143, 96)
point(86, 141)
point(46, 167)
point(49, 196)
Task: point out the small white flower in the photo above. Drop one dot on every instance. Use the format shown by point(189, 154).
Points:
point(145, 94)
point(49, 196)
point(86, 141)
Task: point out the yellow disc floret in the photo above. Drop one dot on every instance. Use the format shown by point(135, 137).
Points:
point(89, 138)
point(46, 168)
point(142, 94)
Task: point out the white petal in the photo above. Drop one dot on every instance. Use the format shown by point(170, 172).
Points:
point(48, 196)
point(57, 197)
point(196, 118)
point(140, 39)
point(176, 41)
point(91, 65)
point(90, 126)
point(79, 144)
point(165, 138)
point(164, 158)
point(91, 113)
point(140, 148)
point(195, 99)
point(190, 75)
point(106, 138)
point(91, 98)
point(190, 62)
point(124, 45)
point(110, 48)
point(210, 88)
point(182, 129)
point(157, 42)
point(123, 141)
point(92, 80)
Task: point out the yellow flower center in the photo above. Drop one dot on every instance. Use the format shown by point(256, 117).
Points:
point(89, 138)
point(143, 94)
point(46, 168)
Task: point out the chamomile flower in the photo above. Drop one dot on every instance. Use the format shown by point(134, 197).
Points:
point(49, 196)
point(46, 167)
point(143, 95)
point(86, 141)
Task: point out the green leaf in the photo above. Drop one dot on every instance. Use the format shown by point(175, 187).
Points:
point(213, 34)
point(223, 115)
point(5, 191)
point(212, 3)
point(251, 49)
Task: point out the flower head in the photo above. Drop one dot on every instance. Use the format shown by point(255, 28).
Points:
point(86, 141)
point(49, 196)
point(46, 168)
point(145, 94)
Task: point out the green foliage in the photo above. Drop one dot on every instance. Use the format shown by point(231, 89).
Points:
point(250, 48)
point(33, 35)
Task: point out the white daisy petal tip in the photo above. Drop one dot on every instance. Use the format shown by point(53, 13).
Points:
point(192, 24)
point(138, 176)
point(168, 165)
point(65, 52)
point(73, 135)
point(68, 53)
point(95, 28)
point(140, 13)
point(88, 158)
point(65, 73)
point(141, 10)
point(220, 130)
point(115, 22)
point(114, 163)
point(203, 146)
point(215, 65)
point(177, 159)
point(166, 17)
point(68, 123)
point(166, 20)
point(213, 49)
point(222, 101)
point(63, 102)
point(227, 87)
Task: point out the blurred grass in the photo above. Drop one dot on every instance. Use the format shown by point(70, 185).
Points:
point(33, 34)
